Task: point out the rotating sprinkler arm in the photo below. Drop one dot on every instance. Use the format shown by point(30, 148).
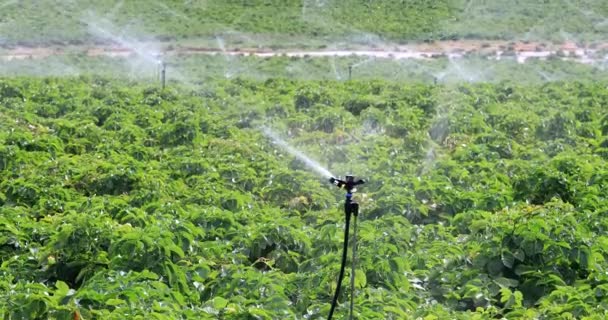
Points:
point(349, 183)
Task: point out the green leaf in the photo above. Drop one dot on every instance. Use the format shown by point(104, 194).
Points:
point(259, 313)
point(147, 274)
point(506, 282)
point(519, 255)
point(522, 269)
point(159, 316)
point(219, 303)
point(62, 287)
point(201, 272)
point(507, 259)
point(505, 294)
point(395, 310)
point(131, 296)
point(519, 298)
point(360, 278)
point(554, 280)
point(178, 297)
point(177, 250)
point(495, 267)
point(115, 302)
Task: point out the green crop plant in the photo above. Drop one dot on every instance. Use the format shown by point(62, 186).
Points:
point(482, 201)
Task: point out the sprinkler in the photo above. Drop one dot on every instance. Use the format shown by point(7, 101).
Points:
point(348, 183)
point(163, 73)
point(350, 208)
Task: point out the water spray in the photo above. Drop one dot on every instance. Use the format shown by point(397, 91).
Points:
point(350, 208)
point(312, 164)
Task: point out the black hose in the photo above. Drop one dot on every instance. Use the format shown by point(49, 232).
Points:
point(344, 250)
point(353, 265)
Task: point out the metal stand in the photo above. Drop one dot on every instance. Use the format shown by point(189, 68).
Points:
point(353, 262)
point(350, 208)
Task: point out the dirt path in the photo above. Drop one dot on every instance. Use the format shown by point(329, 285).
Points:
point(521, 51)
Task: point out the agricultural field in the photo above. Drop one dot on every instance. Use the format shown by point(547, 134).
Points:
point(121, 200)
point(78, 22)
point(480, 128)
point(301, 23)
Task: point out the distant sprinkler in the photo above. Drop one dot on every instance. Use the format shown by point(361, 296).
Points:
point(163, 71)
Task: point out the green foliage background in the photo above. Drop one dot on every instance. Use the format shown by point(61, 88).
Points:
point(249, 22)
point(120, 200)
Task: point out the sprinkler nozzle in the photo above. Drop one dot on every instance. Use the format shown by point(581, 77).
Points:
point(349, 183)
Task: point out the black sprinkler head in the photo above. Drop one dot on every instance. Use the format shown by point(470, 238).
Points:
point(349, 183)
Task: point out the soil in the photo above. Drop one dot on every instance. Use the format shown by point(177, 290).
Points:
point(522, 51)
